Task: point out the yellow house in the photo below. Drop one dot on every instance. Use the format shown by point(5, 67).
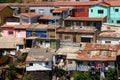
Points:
point(5, 11)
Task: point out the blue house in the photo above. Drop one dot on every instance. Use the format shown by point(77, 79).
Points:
point(99, 10)
point(114, 14)
point(37, 30)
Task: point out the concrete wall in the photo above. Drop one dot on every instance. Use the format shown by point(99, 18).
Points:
point(40, 66)
point(113, 40)
point(46, 10)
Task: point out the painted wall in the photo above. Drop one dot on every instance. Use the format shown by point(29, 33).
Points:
point(40, 33)
point(93, 11)
point(46, 10)
point(20, 33)
point(114, 16)
point(38, 66)
point(78, 13)
point(113, 40)
point(16, 33)
point(6, 30)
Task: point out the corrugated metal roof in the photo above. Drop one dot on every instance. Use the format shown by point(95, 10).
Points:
point(10, 42)
point(39, 54)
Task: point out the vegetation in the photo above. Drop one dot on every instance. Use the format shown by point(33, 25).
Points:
point(110, 75)
point(21, 58)
point(26, 77)
point(11, 71)
point(10, 1)
point(4, 60)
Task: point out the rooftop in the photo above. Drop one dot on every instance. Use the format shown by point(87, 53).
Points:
point(39, 54)
point(111, 34)
point(16, 26)
point(85, 18)
point(76, 30)
point(7, 43)
point(30, 14)
point(98, 52)
point(59, 10)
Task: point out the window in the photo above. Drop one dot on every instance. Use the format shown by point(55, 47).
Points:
point(41, 11)
point(107, 41)
point(30, 64)
point(18, 31)
point(67, 37)
point(91, 10)
point(46, 63)
point(51, 10)
point(10, 32)
point(100, 11)
point(52, 36)
point(81, 10)
point(32, 10)
point(118, 21)
point(116, 10)
point(112, 21)
point(108, 28)
point(70, 62)
point(87, 40)
point(26, 11)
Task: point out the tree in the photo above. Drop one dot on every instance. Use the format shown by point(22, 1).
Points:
point(111, 74)
point(11, 71)
point(26, 77)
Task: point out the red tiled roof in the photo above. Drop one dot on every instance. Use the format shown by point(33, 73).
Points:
point(59, 10)
point(48, 18)
point(109, 34)
point(70, 3)
point(21, 26)
point(2, 7)
point(104, 4)
point(31, 14)
point(75, 30)
point(85, 18)
point(98, 52)
point(114, 3)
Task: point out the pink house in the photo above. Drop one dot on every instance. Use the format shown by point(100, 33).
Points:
point(14, 30)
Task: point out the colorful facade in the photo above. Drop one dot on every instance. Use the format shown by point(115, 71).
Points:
point(99, 11)
point(13, 31)
point(81, 11)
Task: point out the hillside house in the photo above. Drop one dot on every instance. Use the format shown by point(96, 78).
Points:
point(9, 46)
point(108, 37)
point(77, 35)
point(39, 62)
point(14, 29)
point(67, 56)
point(5, 11)
point(37, 30)
point(29, 18)
point(114, 12)
point(95, 57)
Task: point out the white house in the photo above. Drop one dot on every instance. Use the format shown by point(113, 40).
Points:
point(108, 37)
point(39, 59)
